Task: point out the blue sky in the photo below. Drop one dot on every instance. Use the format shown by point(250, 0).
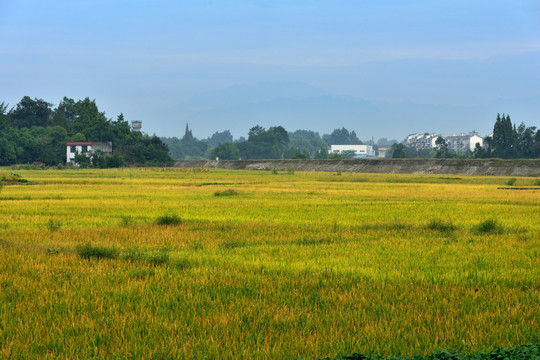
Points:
point(145, 57)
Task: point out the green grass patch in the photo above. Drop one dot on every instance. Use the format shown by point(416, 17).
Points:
point(158, 258)
point(490, 226)
point(89, 251)
point(169, 220)
point(143, 273)
point(441, 226)
point(228, 192)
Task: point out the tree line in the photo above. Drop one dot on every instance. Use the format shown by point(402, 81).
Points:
point(508, 141)
point(261, 143)
point(35, 132)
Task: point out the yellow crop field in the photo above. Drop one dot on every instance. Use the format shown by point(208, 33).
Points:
point(196, 263)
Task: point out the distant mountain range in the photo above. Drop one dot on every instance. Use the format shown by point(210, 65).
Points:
point(299, 106)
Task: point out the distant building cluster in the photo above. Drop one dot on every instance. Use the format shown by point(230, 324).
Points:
point(420, 142)
point(455, 142)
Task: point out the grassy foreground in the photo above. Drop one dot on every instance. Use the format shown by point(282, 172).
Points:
point(173, 263)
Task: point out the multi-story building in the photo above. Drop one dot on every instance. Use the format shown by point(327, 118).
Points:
point(424, 141)
point(463, 142)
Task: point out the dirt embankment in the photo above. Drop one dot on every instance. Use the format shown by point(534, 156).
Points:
point(522, 167)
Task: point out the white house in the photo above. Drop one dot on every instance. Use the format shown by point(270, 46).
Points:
point(360, 151)
point(463, 142)
point(86, 147)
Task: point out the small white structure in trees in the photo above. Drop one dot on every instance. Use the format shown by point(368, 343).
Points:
point(136, 125)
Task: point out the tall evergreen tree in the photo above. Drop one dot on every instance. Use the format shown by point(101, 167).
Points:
point(504, 138)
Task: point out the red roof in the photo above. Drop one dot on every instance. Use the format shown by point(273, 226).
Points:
point(75, 143)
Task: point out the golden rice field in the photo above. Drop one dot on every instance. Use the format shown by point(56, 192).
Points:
point(279, 266)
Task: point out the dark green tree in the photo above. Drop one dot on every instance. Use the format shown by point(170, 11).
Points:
point(264, 144)
point(504, 138)
point(64, 114)
point(31, 112)
point(441, 148)
point(175, 147)
point(398, 151)
point(219, 138)
point(479, 152)
point(322, 153)
point(536, 145)
point(225, 151)
point(5, 115)
point(309, 142)
point(91, 122)
point(525, 141)
point(342, 137)
point(293, 152)
point(120, 128)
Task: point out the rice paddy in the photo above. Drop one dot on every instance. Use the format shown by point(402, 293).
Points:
point(198, 263)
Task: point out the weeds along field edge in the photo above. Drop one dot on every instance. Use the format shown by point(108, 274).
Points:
point(240, 264)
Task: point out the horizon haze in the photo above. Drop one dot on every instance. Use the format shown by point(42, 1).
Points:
point(382, 69)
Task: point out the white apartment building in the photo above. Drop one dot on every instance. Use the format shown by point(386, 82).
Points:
point(424, 141)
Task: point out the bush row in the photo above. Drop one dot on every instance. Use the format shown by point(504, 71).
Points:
point(524, 352)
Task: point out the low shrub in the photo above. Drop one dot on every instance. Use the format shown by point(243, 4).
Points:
point(228, 192)
point(154, 257)
point(511, 181)
point(524, 352)
point(141, 273)
point(54, 225)
point(233, 244)
point(159, 258)
point(126, 221)
point(441, 225)
point(89, 251)
point(182, 264)
point(489, 226)
point(169, 219)
point(134, 254)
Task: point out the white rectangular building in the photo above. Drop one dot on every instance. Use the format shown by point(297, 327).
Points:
point(360, 151)
point(86, 147)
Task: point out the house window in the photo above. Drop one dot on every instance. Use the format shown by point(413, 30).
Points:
point(72, 149)
point(84, 149)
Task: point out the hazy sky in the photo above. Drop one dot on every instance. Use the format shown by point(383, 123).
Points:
point(144, 57)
